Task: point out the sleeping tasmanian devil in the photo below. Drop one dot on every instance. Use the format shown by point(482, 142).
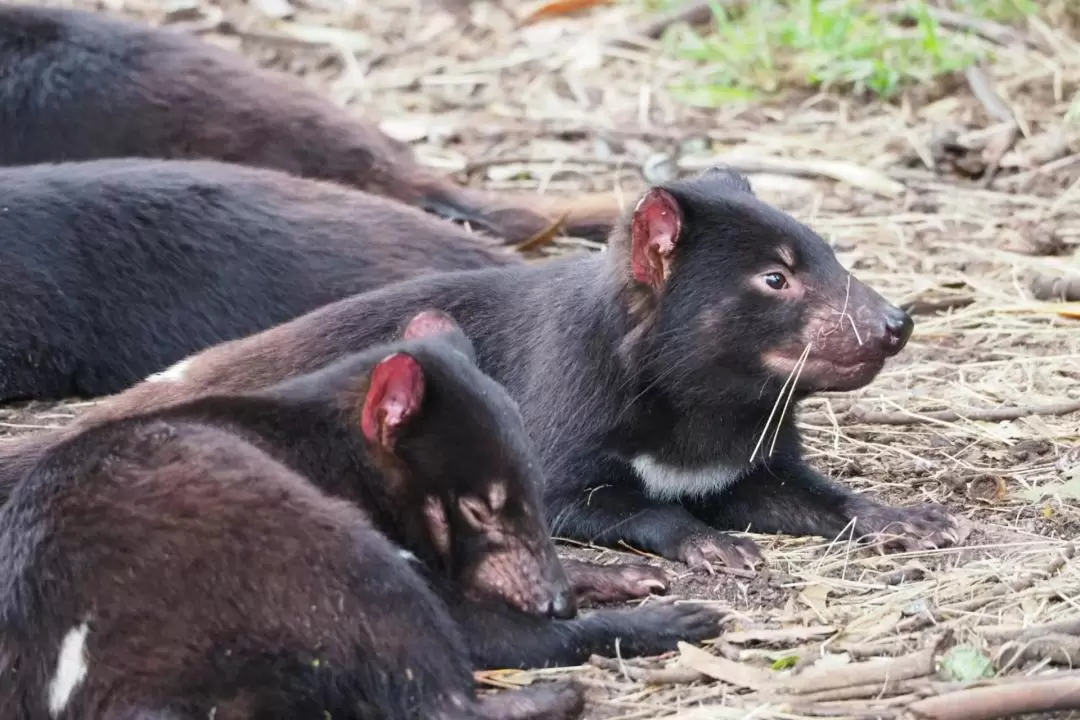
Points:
point(114, 269)
point(647, 375)
point(346, 544)
point(76, 85)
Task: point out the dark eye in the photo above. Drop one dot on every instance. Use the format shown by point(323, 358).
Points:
point(776, 281)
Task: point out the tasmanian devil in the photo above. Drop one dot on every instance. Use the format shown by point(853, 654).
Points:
point(653, 378)
point(178, 564)
point(114, 269)
point(75, 85)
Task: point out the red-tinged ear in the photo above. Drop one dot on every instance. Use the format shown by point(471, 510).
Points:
point(429, 323)
point(654, 231)
point(394, 396)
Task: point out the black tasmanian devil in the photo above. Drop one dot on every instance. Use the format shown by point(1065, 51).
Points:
point(114, 269)
point(77, 85)
point(647, 375)
point(347, 544)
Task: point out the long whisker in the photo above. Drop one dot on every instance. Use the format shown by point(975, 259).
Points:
point(845, 314)
point(779, 398)
point(798, 371)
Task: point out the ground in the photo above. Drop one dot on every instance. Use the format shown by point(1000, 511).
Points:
point(943, 199)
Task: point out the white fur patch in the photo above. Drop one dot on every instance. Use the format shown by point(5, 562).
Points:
point(71, 669)
point(668, 483)
point(408, 555)
point(174, 373)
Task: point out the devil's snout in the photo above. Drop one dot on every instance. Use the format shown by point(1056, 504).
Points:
point(898, 329)
point(562, 605)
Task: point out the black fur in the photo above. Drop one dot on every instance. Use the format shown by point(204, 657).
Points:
point(608, 368)
point(115, 269)
point(76, 85)
point(298, 423)
point(213, 583)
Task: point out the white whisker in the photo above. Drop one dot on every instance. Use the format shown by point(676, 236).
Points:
point(798, 371)
point(779, 398)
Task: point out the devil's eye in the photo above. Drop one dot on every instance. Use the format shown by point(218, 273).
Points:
point(776, 281)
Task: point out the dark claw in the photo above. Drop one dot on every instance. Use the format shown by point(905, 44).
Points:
point(705, 551)
point(926, 527)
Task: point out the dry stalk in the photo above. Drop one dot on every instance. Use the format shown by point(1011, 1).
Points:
point(1001, 414)
point(983, 703)
point(876, 672)
point(649, 676)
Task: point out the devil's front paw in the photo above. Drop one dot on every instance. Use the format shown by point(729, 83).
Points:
point(924, 527)
point(616, 583)
point(712, 549)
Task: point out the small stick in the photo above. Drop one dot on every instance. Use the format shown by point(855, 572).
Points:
point(1004, 633)
point(694, 13)
point(543, 237)
point(866, 690)
point(891, 647)
point(985, 703)
point(871, 417)
point(985, 94)
point(992, 31)
point(881, 672)
point(1049, 287)
point(659, 676)
point(864, 178)
point(1055, 649)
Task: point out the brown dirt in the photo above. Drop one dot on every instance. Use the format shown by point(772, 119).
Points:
point(557, 108)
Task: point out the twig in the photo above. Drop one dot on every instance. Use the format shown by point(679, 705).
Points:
point(659, 676)
point(695, 13)
point(891, 686)
point(605, 162)
point(879, 672)
point(1003, 633)
point(778, 636)
point(1049, 287)
point(908, 573)
point(543, 237)
point(854, 175)
point(985, 703)
point(1001, 414)
point(985, 94)
point(1055, 649)
point(891, 647)
point(931, 307)
point(987, 29)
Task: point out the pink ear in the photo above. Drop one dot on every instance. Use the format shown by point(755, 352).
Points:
point(429, 323)
point(394, 396)
point(654, 230)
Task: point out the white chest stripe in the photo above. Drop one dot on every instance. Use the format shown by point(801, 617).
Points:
point(71, 669)
point(175, 373)
point(668, 483)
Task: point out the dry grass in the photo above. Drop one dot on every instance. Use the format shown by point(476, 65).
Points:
point(557, 106)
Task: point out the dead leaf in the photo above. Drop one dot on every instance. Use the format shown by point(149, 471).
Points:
point(722, 669)
point(561, 8)
point(872, 625)
point(1068, 490)
point(816, 598)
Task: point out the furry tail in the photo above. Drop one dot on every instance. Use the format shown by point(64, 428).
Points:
point(520, 217)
